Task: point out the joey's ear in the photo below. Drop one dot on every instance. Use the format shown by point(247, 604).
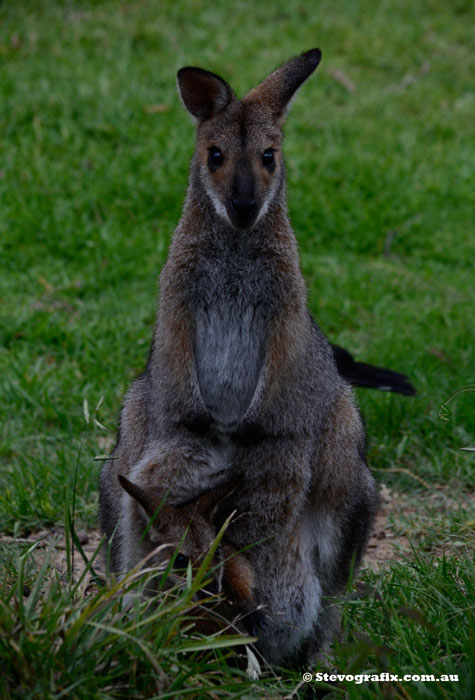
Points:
point(204, 94)
point(149, 500)
point(223, 504)
point(280, 86)
point(215, 500)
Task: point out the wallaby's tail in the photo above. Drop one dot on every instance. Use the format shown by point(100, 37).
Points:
point(369, 376)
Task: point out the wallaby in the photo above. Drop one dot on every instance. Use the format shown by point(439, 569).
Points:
point(241, 380)
point(193, 526)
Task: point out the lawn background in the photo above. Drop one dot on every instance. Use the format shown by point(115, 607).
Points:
point(94, 151)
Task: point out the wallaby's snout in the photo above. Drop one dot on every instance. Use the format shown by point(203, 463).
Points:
point(243, 209)
point(238, 163)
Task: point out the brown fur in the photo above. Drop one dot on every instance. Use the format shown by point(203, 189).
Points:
point(240, 380)
point(191, 528)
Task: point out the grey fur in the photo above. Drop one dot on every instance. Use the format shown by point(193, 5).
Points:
point(240, 380)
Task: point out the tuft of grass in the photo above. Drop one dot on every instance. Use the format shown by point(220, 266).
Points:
point(66, 638)
point(416, 619)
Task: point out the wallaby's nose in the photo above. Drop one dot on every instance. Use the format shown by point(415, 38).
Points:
point(244, 208)
point(243, 204)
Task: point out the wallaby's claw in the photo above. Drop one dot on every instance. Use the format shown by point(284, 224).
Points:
point(255, 621)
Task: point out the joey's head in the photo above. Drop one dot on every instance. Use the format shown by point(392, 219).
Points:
point(182, 532)
point(238, 159)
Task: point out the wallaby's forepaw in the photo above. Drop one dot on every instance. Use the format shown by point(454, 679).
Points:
point(254, 621)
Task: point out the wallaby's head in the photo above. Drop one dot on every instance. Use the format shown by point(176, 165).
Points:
point(189, 528)
point(238, 160)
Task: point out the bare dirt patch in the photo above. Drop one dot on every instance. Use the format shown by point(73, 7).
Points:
point(385, 545)
point(52, 543)
point(424, 520)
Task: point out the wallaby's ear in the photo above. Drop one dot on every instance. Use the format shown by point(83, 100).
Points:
point(281, 85)
point(204, 94)
point(148, 499)
point(223, 504)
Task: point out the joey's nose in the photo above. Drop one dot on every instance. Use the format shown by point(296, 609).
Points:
point(244, 208)
point(212, 588)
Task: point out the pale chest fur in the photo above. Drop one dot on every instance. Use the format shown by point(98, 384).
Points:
point(231, 311)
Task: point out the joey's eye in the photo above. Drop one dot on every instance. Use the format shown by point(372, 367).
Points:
point(268, 160)
point(215, 157)
point(181, 561)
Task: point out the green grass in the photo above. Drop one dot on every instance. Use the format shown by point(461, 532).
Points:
point(58, 642)
point(381, 183)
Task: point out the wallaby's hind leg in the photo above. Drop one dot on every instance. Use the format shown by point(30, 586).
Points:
point(345, 501)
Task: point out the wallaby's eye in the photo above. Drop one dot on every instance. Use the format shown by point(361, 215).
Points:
point(215, 157)
point(181, 561)
point(268, 160)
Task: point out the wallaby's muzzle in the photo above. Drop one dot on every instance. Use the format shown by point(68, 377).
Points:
point(243, 212)
point(242, 209)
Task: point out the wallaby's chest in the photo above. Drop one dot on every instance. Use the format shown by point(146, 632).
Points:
point(232, 306)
